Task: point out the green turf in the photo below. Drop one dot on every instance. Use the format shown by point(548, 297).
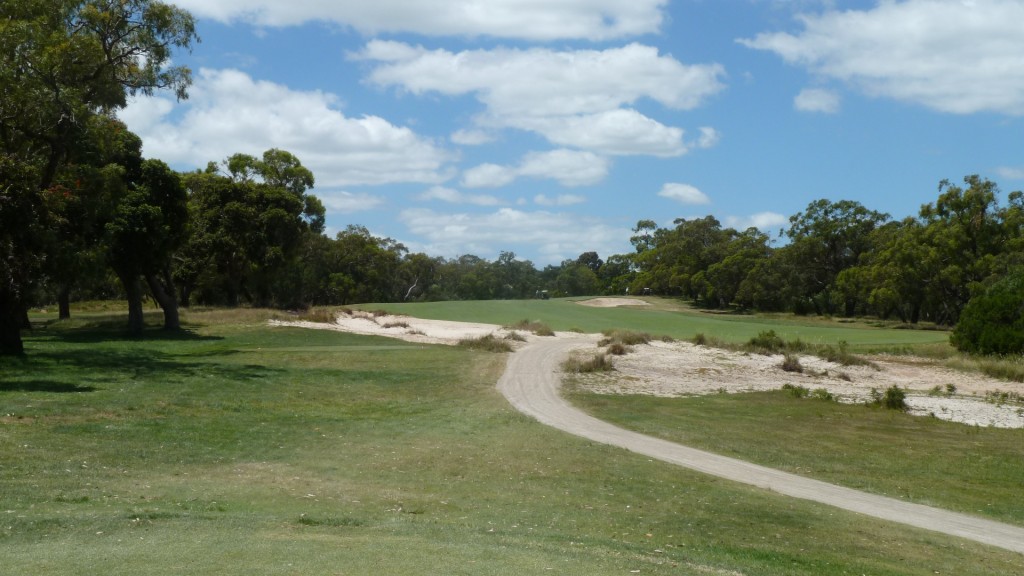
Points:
point(242, 449)
point(969, 469)
point(666, 317)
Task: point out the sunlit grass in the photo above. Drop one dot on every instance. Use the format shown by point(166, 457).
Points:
point(235, 448)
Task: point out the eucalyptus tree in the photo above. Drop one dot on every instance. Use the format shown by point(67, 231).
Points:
point(61, 63)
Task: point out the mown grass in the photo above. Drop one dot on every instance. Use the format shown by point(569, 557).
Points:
point(235, 448)
point(953, 466)
point(668, 318)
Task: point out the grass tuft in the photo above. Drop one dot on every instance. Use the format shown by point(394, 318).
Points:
point(597, 363)
point(536, 327)
point(488, 343)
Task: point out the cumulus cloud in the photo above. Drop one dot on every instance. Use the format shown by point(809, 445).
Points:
point(578, 98)
point(567, 167)
point(229, 112)
point(555, 236)
point(817, 100)
point(471, 137)
point(453, 196)
point(526, 19)
point(348, 202)
point(684, 194)
point(949, 55)
point(764, 221)
point(561, 200)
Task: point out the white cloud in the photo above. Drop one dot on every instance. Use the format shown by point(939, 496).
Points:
point(554, 236)
point(684, 194)
point(567, 167)
point(471, 137)
point(578, 98)
point(709, 137)
point(230, 112)
point(764, 221)
point(527, 19)
point(453, 196)
point(348, 202)
point(817, 100)
point(1010, 173)
point(488, 176)
point(561, 200)
point(950, 55)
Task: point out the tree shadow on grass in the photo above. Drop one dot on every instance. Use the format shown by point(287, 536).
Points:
point(91, 369)
point(44, 386)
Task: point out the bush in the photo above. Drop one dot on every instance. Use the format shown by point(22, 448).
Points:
point(993, 322)
point(627, 337)
point(796, 391)
point(599, 363)
point(894, 398)
point(538, 328)
point(767, 343)
point(486, 343)
point(791, 363)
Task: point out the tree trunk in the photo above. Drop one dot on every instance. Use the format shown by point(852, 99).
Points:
point(10, 325)
point(133, 289)
point(64, 302)
point(163, 293)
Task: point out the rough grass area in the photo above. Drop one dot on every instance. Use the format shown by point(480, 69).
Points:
point(964, 468)
point(488, 343)
point(770, 343)
point(585, 364)
point(536, 327)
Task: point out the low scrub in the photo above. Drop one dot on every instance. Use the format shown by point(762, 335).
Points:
point(791, 363)
point(894, 398)
point(538, 328)
point(319, 315)
point(486, 343)
point(626, 337)
point(598, 363)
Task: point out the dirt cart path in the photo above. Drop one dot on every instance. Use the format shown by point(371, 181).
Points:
point(531, 385)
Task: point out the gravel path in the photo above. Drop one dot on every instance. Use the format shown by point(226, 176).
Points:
point(531, 385)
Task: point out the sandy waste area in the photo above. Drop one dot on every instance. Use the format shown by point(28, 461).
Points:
point(676, 369)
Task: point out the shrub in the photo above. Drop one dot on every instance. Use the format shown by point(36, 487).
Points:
point(618, 349)
point(791, 363)
point(767, 343)
point(993, 322)
point(538, 328)
point(627, 337)
point(486, 343)
point(598, 363)
point(796, 391)
point(894, 398)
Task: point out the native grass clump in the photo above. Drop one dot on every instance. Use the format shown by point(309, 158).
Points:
point(487, 343)
point(596, 363)
point(535, 326)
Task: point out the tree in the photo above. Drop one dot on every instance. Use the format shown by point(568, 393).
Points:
point(246, 229)
point(61, 63)
point(993, 322)
point(147, 227)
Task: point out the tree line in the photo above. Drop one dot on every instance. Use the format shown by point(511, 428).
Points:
point(84, 215)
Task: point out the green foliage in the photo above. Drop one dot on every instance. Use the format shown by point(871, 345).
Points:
point(767, 342)
point(894, 398)
point(796, 390)
point(993, 322)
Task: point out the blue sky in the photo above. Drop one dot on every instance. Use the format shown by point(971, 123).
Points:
point(550, 127)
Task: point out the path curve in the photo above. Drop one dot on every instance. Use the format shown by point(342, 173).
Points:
point(531, 384)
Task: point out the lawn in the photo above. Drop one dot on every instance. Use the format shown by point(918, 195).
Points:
point(237, 448)
point(670, 318)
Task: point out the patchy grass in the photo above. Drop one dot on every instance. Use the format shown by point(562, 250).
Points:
point(238, 449)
